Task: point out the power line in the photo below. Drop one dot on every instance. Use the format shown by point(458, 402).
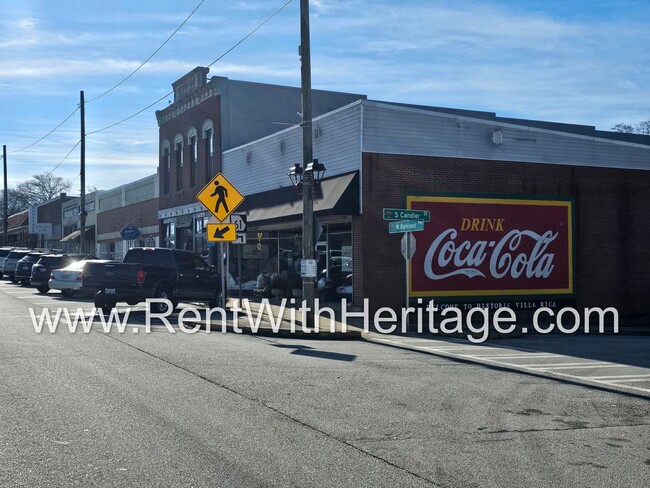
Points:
point(251, 32)
point(118, 84)
point(130, 116)
point(149, 58)
point(65, 157)
point(49, 133)
point(213, 62)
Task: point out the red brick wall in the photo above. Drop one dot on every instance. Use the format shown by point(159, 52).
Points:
point(141, 214)
point(612, 235)
point(208, 109)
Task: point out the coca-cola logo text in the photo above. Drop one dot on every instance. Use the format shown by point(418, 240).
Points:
point(505, 258)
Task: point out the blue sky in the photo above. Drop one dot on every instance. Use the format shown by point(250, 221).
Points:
point(575, 61)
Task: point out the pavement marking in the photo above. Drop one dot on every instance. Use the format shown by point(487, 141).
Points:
point(582, 366)
point(614, 377)
point(502, 354)
point(628, 380)
point(541, 355)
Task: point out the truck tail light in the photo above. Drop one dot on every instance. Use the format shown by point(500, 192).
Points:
point(141, 275)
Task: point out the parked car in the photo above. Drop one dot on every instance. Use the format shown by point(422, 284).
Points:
point(152, 273)
point(4, 251)
point(43, 268)
point(68, 279)
point(24, 267)
point(9, 263)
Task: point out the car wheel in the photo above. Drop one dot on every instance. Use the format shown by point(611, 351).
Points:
point(67, 293)
point(43, 289)
point(12, 279)
point(216, 300)
point(162, 291)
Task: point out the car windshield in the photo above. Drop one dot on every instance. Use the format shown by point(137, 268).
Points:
point(54, 261)
point(17, 254)
point(31, 258)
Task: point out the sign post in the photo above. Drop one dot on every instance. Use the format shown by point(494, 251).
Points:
point(408, 250)
point(408, 221)
point(221, 198)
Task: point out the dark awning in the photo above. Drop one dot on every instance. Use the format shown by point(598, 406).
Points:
point(338, 195)
point(77, 233)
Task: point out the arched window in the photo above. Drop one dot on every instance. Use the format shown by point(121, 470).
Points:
point(192, 143)
point(165, 168)
point(178, 148)
point(207, 131)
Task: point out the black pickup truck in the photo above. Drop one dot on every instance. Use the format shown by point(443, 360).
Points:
point(149, 272)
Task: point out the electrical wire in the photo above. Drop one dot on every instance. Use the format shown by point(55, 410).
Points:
point(131, 116)
point(49, 133)
point(251, 32)
point(149, 58)
point(118, 84)
point(65, 157)
point(213, 62)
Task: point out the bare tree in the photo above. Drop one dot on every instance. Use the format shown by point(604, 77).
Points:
point(42, 187)
point(640, 128)
point(15, 203)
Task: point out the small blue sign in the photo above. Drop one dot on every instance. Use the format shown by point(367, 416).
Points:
point(130, 233)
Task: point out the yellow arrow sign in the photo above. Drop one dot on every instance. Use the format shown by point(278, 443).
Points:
point(220, 197)
point(221, 232)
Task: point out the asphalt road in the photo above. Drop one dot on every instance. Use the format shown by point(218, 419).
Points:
point(212, 409)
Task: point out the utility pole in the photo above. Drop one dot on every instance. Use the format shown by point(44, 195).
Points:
point(307, 158)
point(82, 206)
point(6, 194)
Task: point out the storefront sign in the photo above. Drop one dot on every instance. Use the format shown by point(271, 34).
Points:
point(493, 247)
point(129, 233)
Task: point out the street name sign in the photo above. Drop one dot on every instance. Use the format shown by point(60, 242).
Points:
point(220, 197)
point(405, 226)
point(406, 214)
point(221, 232)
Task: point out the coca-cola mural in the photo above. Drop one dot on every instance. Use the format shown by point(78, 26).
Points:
point(493, 247)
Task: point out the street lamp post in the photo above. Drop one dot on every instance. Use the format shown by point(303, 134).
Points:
point(305, 181)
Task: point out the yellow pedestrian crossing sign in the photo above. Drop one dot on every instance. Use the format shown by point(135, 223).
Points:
point(220, 197)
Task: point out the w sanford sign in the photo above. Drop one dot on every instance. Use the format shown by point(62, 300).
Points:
point(493, 247)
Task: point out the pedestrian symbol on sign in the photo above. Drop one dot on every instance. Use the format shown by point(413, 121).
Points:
point(222, 193)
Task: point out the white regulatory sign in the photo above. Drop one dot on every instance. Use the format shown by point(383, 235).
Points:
point(308, 268)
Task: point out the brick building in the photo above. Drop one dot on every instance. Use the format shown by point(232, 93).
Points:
point(522, 212)
point(133, 204)
point(50, 213)
point(18, 230)
point(206, 118)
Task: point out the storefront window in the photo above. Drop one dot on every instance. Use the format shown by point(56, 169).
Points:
point(200, 240)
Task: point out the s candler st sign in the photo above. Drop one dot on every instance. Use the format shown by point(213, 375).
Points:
point(493, 246)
